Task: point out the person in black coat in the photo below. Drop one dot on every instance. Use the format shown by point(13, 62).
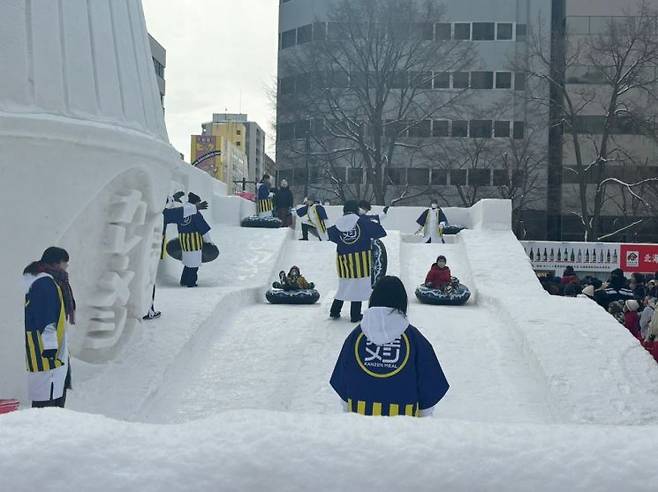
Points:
point(283, 203)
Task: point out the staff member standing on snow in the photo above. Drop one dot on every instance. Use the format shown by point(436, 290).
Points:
point(353, 236)
point(432, 222)
point(283, 203)
point(364, 210)
point(315, 219)
point(387, 367)
point(174, 212)
point(49, 303)
point(193, 231)
point(264, 197)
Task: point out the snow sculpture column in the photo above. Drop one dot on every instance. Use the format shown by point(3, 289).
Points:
point(85, 164)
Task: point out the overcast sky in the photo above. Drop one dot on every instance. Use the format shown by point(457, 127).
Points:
point(219, 53)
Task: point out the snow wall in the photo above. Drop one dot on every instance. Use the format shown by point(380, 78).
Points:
point(85, 164)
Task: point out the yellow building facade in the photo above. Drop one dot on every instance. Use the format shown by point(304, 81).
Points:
point(221, 156)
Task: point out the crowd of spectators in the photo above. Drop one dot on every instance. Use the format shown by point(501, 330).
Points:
point(631, 301)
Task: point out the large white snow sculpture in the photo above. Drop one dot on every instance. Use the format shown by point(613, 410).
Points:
point(85, 164)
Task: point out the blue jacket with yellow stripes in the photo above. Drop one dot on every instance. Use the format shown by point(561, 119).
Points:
point(402, 377)
point(357, 239)
point(195, 223)
point(44, 307)
point(263, 192)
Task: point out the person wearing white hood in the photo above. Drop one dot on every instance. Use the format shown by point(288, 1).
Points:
point(432, 222)
point(386, 366)
point(353, 235)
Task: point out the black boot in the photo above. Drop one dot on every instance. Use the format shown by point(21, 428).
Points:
point(336, 306)
point(355, 312)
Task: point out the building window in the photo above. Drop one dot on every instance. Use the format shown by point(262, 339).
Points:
point(285, 131)
point(460, 128)
point(305, 34)
point(299, 179)
point(319, 31)
point(439, 177)
point(287, 85)
point(503, 80)
point(481, 128)
point(483, 31)
point(519, 81)
point(458, 177)
point(288, 39)
point(421, 80)
point(443, 31)
point(482, 80)
point(355, 175)
point(521, 32)
point(500, 177)
point(479, 177)
point(502, 129)
point(238, 144)
point(418, 177)
point(426, 31)
point(462, 31)
point(302, 128)
point(578, 25)
point(442, 80)
point(303, 83)
point(504, 31)
point(441, 128)
point(460, 80)
point(339, 80)
point(519, 130)
point(422, 129)
point(399, 80)
point(396, 175)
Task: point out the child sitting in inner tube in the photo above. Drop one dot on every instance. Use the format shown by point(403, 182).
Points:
point(293, 281)
point(439, 276)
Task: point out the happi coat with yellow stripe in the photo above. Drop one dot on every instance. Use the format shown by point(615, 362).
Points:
point(316, 217)
point(353, 236)
point(264, 204)
point(193, 231)
point(402, 377)
point(45, 329)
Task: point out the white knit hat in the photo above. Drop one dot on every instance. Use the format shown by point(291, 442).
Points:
point(632, 305)
point(589, 291)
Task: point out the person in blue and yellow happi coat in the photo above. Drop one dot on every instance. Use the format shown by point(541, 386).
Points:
point(353, 235)
point(193, 231)
point(432, 222)
point(264, 205)
point(386, 366)
point(315, 219)
point(47, 307)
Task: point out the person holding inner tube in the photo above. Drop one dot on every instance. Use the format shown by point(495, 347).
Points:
point(432, 222)
point(439, 276)
point(386, 366)
point(193, 232)
point(353, 235)
point(315, 219)
point(264, 203)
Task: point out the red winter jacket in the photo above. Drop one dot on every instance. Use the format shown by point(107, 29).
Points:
point(632, 322)
point(438, 277)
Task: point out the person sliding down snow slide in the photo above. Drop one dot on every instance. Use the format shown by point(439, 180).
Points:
point(439, 276)
point(432, 222)
point(293, 281)
point(386, 366)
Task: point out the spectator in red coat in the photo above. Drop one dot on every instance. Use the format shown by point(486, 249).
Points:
point(631, 317)
point(439, 276)
point(569, 276)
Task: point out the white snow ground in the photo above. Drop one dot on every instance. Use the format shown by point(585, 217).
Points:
point(546, 393)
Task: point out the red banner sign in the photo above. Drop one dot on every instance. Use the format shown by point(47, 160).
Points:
point(639, 258)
